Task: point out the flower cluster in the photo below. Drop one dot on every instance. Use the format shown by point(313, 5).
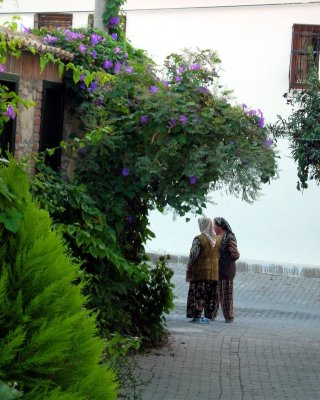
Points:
point(112, 57)
point(182, 69)
point(70, 35)
point(258, 113)
point(47, 39)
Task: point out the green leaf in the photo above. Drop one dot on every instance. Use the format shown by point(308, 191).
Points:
point(11, 220)
point(43, 62)
point(76, 75)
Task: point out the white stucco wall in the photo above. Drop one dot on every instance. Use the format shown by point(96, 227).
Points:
point(254, 43)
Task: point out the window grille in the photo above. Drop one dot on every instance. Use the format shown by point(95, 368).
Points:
point(305, 52)
point(53, 21)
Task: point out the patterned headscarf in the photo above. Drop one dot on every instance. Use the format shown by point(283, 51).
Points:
point(223, 223)
point(206, 227)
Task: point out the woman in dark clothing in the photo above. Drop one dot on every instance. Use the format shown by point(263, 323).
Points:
point(228, 254)
point(202, 273)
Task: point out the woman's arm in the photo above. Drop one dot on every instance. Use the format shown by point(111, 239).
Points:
point(194, 252)
point(233, 249)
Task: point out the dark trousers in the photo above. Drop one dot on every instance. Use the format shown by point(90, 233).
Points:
point(224, 297)
point(202, 297)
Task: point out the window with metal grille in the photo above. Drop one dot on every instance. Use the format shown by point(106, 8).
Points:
point(305, 52)
point(53, 21)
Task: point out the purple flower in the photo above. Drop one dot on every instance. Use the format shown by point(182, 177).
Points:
point(267, 143)
point(94, 39)
point(260, 112)
point(50, 39)
point(107, 64)
point(192, 179)
point(117, 67)
point(117, 50)
point(181, 70)
point(93, 54)
point(93, 86)
point(165, 83)
point(114, 20)
point(10, 112)
point(203, 90)
point(125, 55)
point(244, 105)
point(129, 70)
point(153, 89)
point(183, 119)
point(26, 30)
point(82, 48)
point(82, 76)
point(125, 171)
point(73, 35)
point(261, 122)
point(2, 68)
point(178, 78)
point(82, 86)
point(172, 122)
point(195, 67)
point(114, 36)
point(144, 119)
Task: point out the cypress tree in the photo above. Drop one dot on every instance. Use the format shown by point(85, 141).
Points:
point(48, 340)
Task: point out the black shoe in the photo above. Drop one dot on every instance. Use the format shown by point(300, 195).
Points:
point(228, 321)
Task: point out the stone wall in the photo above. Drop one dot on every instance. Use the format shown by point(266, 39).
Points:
point(29, 120)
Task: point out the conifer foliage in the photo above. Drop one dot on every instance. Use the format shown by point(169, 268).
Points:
point(48, 342)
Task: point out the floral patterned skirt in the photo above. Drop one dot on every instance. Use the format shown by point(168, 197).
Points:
point(202, 298)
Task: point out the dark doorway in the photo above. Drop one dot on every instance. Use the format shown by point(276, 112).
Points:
point(7, 137)
point(52, 121)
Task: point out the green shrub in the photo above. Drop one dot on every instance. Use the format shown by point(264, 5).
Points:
point(48, 342)
point(129, 298)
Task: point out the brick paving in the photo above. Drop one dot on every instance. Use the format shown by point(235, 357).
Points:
point(270, 352)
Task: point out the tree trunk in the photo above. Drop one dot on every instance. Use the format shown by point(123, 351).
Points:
point(99, 9)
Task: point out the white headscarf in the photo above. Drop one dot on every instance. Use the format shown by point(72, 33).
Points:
point(206, 227)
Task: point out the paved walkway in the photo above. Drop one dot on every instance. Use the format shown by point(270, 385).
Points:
point(271, 351)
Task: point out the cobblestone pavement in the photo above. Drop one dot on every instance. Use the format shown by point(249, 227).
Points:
point(271, 351)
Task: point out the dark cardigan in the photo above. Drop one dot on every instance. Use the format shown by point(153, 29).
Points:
point(228, 254)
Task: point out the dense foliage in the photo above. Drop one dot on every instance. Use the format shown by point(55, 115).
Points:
point(130, 299)
point(302, 128)
point(48, 342)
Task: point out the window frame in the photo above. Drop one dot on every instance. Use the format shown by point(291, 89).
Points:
point(302, 32)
